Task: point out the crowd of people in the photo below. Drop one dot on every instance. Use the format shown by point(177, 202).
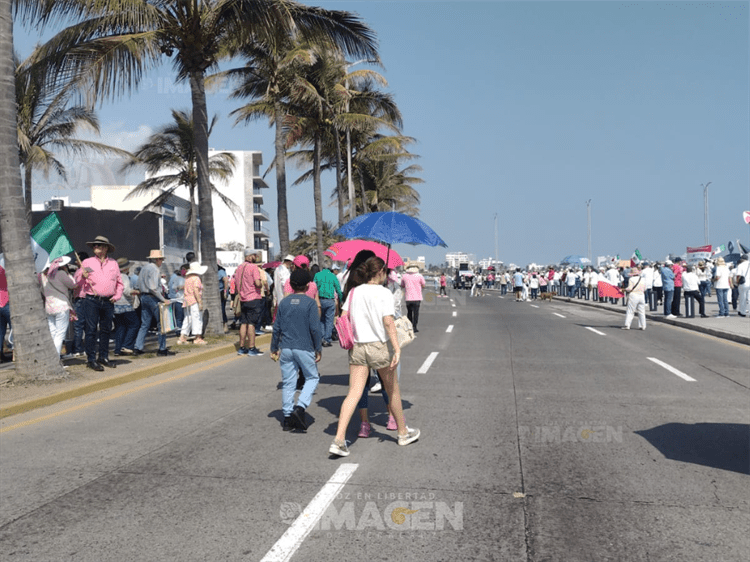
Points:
point(674, 286)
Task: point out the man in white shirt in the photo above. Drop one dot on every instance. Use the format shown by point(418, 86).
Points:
point(691, 290)
point(647, 277)
point(280, 277)
point(743, 301)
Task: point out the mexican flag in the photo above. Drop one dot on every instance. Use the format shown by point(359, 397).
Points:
point(48, 241)
point(636, 258)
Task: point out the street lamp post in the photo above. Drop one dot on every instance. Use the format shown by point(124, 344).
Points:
point(496, 252)
point(588, 220)
point(705, 212)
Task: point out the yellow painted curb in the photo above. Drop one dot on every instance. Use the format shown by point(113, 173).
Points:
point(166, 367)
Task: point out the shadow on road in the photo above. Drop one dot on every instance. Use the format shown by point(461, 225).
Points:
point(718, 445)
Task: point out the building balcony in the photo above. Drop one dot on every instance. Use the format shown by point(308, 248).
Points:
point(259, 213)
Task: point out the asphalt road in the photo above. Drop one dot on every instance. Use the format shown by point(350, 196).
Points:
point(547, 434)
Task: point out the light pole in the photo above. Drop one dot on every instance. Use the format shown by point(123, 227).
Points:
point(705, 212)
point(588, 219)
point(496, 252)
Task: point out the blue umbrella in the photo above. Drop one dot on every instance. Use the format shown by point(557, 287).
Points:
point(390, 228)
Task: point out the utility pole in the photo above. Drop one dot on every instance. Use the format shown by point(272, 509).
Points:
point(588, 218)
point(496, 252)
point(705, 213)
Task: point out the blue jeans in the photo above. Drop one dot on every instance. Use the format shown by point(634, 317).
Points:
point(126, 329)
point(4, 323)
point(99, 314)
point(149, 311)
point(327, 312)
point(79, 327)
point(668, 295)
point(291, 361)
point(722, 297)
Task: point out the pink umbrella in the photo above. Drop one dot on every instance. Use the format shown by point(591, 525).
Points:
point(346, 250)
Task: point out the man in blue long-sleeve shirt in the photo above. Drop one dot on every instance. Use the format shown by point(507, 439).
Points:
point(296, 344)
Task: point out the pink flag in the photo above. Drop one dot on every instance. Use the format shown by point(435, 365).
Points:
point(609, 291)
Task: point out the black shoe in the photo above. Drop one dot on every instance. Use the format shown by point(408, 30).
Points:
point(288, 425)
point(138, 352)
point(106, 363)
point(415, 330)
point(743, 315)
point(298, 418)
point(326, 344)
point(165, 352)
point(95, 366)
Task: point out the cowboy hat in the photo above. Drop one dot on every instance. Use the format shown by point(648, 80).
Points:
point(123, 263)
point(412, 269)
point(156, 255)
point(196, 269)
point(102, 240)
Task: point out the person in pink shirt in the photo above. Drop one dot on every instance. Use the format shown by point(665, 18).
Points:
point(678, 270)
point(99, 277)
point(250, 287)
point(412, 282)
point(193, 305)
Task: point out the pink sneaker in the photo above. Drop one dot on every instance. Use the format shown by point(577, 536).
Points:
point(391, 424)
point(364, 430)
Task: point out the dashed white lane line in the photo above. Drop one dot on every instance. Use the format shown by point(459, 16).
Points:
point(453, 305)
point(671, 369)
point(427, 363)
point(595, 331)
point(455, 313)
point(535, 306)
point(291, 540)
point(560, 315)
point(449, 329)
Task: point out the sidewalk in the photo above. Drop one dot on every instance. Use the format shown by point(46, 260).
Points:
point(734, 328)
point(16, 398)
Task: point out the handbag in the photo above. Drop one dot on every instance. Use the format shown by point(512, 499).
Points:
point(404, 331)
point(236, 302)
point(344, 329)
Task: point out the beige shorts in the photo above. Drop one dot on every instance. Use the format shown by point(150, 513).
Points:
point(375, 355)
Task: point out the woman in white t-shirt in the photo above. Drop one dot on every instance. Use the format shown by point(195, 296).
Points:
point(371, 311)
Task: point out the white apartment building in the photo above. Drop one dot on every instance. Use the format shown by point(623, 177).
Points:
point(245, 189)
point(453, 259)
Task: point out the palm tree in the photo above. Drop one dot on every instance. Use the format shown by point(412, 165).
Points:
point(269, 71)
point(170, 153)
point(117, 39)
point(306, 242)
point(36, 356)
point(47, 121)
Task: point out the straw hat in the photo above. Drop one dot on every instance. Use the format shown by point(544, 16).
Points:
point(156, 255)
point(196, 269)
point(102, 240)
point(412, 269)
point(123, 263)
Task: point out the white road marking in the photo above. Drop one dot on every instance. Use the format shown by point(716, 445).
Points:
point(427, 363)
point(290, 541)
point(449, 329)
point(595, 331)
point(535, 306)
point(671, 369)
point(560, 315)
point(501, 297)
point(455, 313)
point(453, 305)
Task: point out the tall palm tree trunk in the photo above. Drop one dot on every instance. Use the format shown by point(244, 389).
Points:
point(282, 214)
point(339, 181)
point(36, 356)
point(318, 196)
point(210, 280)
point(27, 170)
point(194, 223)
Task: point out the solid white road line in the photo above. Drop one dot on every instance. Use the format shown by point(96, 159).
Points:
point(290, 541)
point(455, 313)
point(560, 315)
point(595, 331)
point(427, 363)
point(449, 329)
point(671, 369)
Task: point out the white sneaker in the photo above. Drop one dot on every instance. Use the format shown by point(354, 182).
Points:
point(376, 387)
point(671, 316)
point(411, 436)
point(339, 450)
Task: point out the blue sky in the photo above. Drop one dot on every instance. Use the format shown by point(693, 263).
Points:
point(529, 109)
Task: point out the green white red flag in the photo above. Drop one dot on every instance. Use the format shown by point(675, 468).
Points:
point(48, 242)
